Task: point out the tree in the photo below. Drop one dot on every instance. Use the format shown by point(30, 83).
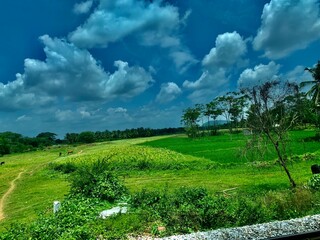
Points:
point(190, 118)
point(4, 146)
point(212, 110)
point(46, 138)
point(86, 137)
point(314, 91)
point(270, 117)
point(231, 106)
point(71, 138)
point(302, 107)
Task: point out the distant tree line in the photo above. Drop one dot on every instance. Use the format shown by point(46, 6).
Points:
point(100, 136)
point(241, 108)
point(11, 142)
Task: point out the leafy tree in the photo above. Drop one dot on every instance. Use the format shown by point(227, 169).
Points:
point(302, 107)
point(46, 138)
point(4, 146)
point(314, 91)
point(86, 137)
point(270, 117)
point(190, 119)
point(71, 138)
point(231, 106)
point(212, 110)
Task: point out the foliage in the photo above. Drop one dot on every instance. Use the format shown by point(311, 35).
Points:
point(190, 118)
point(314, 182)
point(66, 168)
point(269, 117)
point(192, 209)
point(86, 137)
point(314, 92)
point(73, 221)
point(94, 180)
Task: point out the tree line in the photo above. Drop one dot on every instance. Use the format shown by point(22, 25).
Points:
point(11, 142)
point(239, 108)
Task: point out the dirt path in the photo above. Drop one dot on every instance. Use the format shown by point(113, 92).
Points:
point(7, 193)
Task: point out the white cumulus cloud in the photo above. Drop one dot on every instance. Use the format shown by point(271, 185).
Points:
point(114, 20)
point(287, 26)
point(206, 87)
point(73, 75)
point(259, 74)
point(168, 92)
point(150, 23)
point(229, 48)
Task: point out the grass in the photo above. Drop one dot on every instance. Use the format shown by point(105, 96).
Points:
point(227, 148)
point(213, 162)
point(35, 190)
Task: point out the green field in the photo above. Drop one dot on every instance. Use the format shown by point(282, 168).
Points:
point(216, 163)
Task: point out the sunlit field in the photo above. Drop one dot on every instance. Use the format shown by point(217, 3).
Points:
point(216, 163)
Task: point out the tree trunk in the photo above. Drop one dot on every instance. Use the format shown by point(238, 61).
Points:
point(283, 164)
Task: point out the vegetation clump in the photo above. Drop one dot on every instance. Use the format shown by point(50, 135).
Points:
point(314, 182)
point(95, 181)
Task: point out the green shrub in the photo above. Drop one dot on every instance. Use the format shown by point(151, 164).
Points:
point(66, 168)
point(94, 180)
point(314, 182)
point(74, 220)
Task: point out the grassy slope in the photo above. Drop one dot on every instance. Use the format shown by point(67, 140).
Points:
point(39, 187)
point(35, 190)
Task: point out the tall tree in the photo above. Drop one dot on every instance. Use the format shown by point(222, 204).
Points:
point(270, 117)
point(314, 91)
point(46, 138)
point(213, 111)
point(71, 137)
point(231, 105)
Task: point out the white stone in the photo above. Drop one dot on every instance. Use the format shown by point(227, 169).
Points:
point(113, 211)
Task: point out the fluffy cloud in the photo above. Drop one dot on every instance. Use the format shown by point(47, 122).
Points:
point(151, 24)
point(229, 48)
point(114, 20)
point(83, 7)
point(14, 96)
point(127, 81)
point(287, 26)
point(72, 74)
point(168, 92)
point(207, 86)
point(259, 74)
point(228, 51)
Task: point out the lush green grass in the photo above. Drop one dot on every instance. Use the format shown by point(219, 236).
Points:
point(228, 148)
point(215, 163)
point(35, 190)
point(39, 186)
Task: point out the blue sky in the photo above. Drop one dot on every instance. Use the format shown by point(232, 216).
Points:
point(72, 66)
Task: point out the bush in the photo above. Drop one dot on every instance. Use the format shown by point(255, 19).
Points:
point(314, 182)
point(73, 221)
point(184, 210)
point(64, 167)
point(94, 180)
